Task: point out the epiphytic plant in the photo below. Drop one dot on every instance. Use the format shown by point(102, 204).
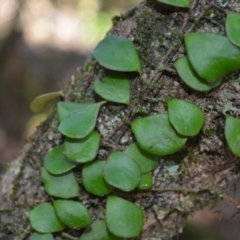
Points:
point(186, 117)
point(156, 135)
point(162, 140)
point(118, 54)
point(77, 123)
point(115, 87)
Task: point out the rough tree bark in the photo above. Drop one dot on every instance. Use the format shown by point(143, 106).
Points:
point(206, 163)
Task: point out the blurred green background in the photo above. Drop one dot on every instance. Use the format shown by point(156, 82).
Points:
point(42, 43)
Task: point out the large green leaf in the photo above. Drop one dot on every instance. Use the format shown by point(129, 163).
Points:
point(156, 135)
point(84, 149)
point(146, 161)
point(186, 117)
point(232, 134)
point(191, 78)
point(233, 28)
point(72, 213)
point(121, 171)
point(41, 236)
point(56, 162)
point(118, 54)
point(62, 186)
point(115, 87)
point(212, 55)
point(92, 178)
point(98, 231)
point(80, 123)
point(44, 220)
point(124, 219)
point(65, 108)
point(177, 3)
point(42, 101)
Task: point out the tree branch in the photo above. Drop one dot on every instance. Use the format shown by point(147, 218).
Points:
point(206, 166)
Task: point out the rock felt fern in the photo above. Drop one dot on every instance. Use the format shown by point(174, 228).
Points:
point(55, 162)
point(44, 224)
point(118, 54)
point(158, 134)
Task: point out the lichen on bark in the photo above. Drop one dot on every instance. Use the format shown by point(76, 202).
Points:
point(206, 166)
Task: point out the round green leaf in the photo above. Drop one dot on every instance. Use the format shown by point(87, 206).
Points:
point(177, 3)
point(121, 171)
point(233, 28)
point(62, 186)
point(84, 149)
point(232, 134)
point(118, 54)
point(115, 87)
point(146, 181)
point(72, 213)
point(44, 220)
point(146, 161)
point(41, 236)
point(98, 231)
point(191, 78)
point(42, 101)
point(156, 135)
point(212, 55)
point(186, 117)
point(65, 108)
point(56, 162)
point(124, 219)
point(80, 123)
point(92, 178)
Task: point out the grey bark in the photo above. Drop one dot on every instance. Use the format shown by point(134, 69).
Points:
point(207, 167)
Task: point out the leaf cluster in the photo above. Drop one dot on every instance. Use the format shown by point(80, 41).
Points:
point(156, 135)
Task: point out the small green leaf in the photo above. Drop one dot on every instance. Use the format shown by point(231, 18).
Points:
point(121, 171)
point(84, 149)
point(212, 55)
point(232, 134)
point(41, 236)
point(191, 78)
point(98, 231)
point(56, 162)
point(42, 101)
point(118, 54)
point(115, 87)
point(124, 219)
point(145, 160)
point(72, 213)
point(186, 117)
point(233, 28)
point(146, 181)
point(92, 178)
point(172, 167)
point(62, 186)
point(177, 3)
point(80, 123)
point(65, 108)
point(156, 135)
point(44, 220)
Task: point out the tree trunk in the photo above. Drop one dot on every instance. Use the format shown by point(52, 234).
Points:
point(206, 166)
